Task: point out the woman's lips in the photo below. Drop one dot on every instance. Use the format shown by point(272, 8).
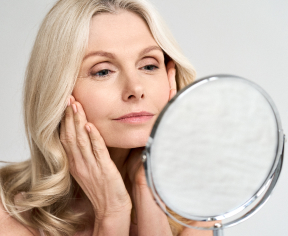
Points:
point(135, 117)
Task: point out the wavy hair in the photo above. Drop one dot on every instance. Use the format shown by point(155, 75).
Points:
point(50, 78)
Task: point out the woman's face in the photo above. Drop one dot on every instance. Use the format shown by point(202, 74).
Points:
point(122, 74)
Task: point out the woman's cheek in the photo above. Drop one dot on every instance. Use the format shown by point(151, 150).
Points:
point(97, 109)
point(163, 94)
point(92, 100)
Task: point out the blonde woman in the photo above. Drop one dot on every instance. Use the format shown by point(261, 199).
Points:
point(99, 74)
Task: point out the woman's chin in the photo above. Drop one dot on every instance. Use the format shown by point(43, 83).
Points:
point(127, 138)
point(128, 142)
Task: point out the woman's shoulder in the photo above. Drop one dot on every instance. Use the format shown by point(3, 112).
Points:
point(11, 227)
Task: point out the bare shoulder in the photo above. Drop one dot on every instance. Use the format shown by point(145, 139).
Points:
point(11, 227)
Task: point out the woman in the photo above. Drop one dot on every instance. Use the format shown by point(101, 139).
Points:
point(99, 74)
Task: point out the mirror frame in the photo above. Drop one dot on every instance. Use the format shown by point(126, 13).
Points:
point(252, 205)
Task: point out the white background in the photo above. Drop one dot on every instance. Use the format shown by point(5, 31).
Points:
point(248, 38)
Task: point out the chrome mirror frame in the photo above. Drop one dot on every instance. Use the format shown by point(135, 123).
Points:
point(251, 206)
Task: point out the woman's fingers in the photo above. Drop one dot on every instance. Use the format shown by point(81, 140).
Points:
point(171, 72)
point(89, 140)
point(99, 148)
point(84, 145)
point(90, 163)
point(69, 142)
point(63, 136)
point(72, 99)
point(82, 137)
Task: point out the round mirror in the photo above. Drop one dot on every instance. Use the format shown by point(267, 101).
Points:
point(215, 151)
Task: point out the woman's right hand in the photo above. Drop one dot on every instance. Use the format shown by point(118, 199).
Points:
point(91, 165)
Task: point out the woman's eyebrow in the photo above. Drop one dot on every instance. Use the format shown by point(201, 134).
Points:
point(151, 48)
point(100, 53)
point(112, 55)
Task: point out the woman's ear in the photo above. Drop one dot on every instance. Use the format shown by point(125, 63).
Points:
point(171, 73)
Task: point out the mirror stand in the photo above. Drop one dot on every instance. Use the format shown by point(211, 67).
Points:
point(218, 230)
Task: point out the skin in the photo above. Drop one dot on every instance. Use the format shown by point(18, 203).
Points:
point(135, 79)
point(104, 154)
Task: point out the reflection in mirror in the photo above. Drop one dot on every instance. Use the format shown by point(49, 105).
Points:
point(213, 149)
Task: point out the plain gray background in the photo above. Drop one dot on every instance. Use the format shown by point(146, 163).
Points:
point(248, 38)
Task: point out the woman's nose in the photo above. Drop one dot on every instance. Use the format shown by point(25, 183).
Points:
point(133, 89)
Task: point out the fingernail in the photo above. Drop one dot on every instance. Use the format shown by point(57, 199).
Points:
point(68, 103)
point(74, 108)
point(88, 128)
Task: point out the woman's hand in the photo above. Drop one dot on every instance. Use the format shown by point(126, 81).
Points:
point(91, 165)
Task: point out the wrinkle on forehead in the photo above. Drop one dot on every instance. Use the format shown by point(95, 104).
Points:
point(121, 27)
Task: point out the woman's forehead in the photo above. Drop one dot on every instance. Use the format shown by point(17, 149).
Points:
point(121, 31)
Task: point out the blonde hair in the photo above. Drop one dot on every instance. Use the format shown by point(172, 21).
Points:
point(50, 78)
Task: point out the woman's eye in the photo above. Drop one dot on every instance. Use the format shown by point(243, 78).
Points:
point(101, 73)
point(150, 67)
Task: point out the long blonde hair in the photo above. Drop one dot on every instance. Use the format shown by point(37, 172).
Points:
point(50, 78)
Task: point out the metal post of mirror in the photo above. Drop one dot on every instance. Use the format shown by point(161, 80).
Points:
point(218, 231)
point(215, 152)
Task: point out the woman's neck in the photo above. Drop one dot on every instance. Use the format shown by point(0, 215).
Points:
point(119, 157)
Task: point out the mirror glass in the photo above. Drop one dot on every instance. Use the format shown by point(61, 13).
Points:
point(212, 148)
